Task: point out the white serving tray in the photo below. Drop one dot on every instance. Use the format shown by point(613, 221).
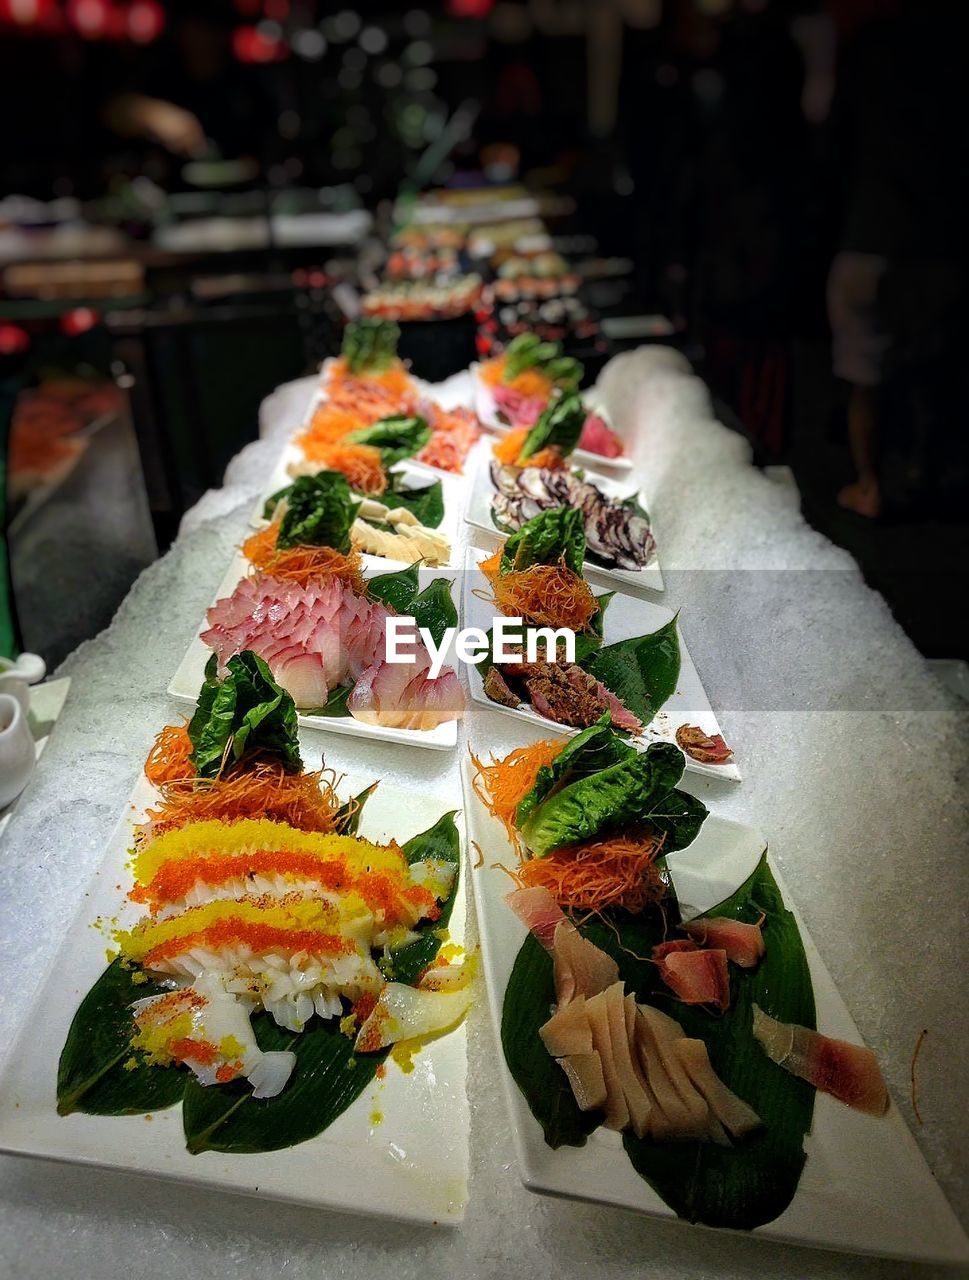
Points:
point(187, 680)
point(410, 1164)
point(477, 513)
point(487, 411)
point(865, 1187)
point(626, 617)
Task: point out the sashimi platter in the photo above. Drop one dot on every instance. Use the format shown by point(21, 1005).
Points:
point(270, 963)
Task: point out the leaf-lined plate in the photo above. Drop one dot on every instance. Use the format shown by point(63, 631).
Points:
point(189, 677)
point(626, 617)
point(400, 1149)
point(865, 1186)
point(477, 512)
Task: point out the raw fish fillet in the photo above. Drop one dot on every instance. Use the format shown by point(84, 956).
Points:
point(849, 1072)
point(743, 943)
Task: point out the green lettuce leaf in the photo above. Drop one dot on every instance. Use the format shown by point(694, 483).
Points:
point(434, 609)
point(640, 788)
point(560, 425)
point(397, 437)
point(528, 351)
point(370, 344)
point(246, 713)
point(588, 753)
point(642, 672)
point(320, 512)
point(551, 536)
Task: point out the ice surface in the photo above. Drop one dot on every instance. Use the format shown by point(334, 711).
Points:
point(854, 768)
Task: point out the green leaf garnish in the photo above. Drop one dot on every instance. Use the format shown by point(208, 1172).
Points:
point(320, 512)
point(246, 713)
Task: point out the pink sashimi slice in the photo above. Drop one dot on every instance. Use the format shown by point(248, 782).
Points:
point(663, 949)
point(622, 717)
point(580, 967)
point(538, 911)
point(698, 977)
point(392, 695)
point(519, 410)
point(301, 674)
point(743, 943)
point(849, 1072)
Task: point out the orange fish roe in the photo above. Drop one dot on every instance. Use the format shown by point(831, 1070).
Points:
point(302, 564)
point(228, 1071)
point(260, 937)
point(364, 1007)
point(169, 757)
point(201, 1051)
point(258, 790)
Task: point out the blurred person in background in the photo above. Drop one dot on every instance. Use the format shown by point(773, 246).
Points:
point(896, 288)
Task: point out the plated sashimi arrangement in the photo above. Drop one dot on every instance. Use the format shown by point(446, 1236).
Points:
point(279, 955)
point(694, 1038)
point(514, 389)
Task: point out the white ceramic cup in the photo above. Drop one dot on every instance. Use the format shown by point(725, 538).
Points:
point(18, 755)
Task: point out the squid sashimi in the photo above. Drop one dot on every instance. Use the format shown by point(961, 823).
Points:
point(409, 1013)
point(743, 943)
point(849, 1072)
point(697, 977)
point(391, 694)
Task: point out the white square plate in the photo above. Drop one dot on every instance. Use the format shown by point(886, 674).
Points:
point(485, 408)
point(477, 512)
point(865, 1187)
point(626, 617)
point(187, 680)
point(411, 1165)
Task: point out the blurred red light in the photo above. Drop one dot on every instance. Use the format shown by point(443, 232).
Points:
point(146, 21)
point(470, 8)
point(276, 10)
point(13, 339)
point(249, 45)
point(88, 17)
point(78, 321)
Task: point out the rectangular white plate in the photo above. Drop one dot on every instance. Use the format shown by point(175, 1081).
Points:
point(626, 618)
point(484, 407)
point(411, 1165)
point(865, 1187)
point(187, 680)
point(477, 512)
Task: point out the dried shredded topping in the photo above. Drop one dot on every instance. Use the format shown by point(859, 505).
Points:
point(503, 784)
point(168, 758)
point(616, 872)
point(546, 595)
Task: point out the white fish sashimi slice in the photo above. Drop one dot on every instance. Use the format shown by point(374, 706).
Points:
point(301, 674)
point(410, 1013)
point(221, 1021)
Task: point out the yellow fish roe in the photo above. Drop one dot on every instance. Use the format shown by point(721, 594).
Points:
point(229, 1047)
point(155, 1038)
point(214, 838)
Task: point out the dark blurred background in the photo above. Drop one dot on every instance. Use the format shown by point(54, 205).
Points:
point(193, 195)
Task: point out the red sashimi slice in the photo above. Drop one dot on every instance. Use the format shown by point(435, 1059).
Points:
point(519, 410)
point(597, 438)
point(743, 943)
point(698, 977)
point(849, 1072)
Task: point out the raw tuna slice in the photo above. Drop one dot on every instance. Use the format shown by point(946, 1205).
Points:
point(538, 911)
point(743, 943)
point(849, 1072)
point(580, 967)
point(698, 977)
point(663, 949)
point(597, 438)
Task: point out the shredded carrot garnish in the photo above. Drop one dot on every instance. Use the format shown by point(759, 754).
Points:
point(619, 871)
point(915, 1057)
point(509, 447)
point(530, 382)
point(547, 595)
point(168, 759)
point(394, 379)
point(360, 463)
point(302, 564)
point(501, 785)
point(260, 790)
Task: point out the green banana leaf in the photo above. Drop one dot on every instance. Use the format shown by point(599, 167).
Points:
point(91, 1075)
point(426, 502)
point(742, 1186)
point(434, 609)
point(347, 819)
point(642, 671)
